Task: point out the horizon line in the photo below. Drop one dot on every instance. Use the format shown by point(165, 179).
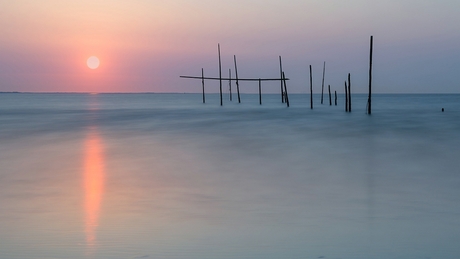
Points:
point(54, 92)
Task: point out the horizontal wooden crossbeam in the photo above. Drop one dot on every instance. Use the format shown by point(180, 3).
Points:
point(234, 79)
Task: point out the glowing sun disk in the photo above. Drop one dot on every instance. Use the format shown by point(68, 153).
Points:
point(92, 62)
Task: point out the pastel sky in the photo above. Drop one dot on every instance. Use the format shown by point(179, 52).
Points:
point(145, 45)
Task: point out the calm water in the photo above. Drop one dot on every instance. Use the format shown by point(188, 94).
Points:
point(165, 176)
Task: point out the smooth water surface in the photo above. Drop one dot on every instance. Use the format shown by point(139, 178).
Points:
point(166, 176)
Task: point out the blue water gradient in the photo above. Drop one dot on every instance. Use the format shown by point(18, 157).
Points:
point(176, 178)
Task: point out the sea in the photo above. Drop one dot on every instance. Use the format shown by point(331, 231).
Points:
point(147, 175)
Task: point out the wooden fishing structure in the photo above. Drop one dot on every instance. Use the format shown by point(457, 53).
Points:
point(282, 80)
point(283, 87)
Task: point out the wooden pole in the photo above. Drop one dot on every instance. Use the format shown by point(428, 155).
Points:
point(230, 83)
point(311, 90)
point(260, 92)
point(330, 97)
point(202, 83)
point(237, 84)
point(285, 90)
point(349, 93)
point(370, 76)
point(335, 92)
point(220, 75)
point(346, 97)
point(322, 84)
point(281, 81)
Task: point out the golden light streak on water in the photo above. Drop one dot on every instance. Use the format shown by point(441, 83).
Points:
point(94, 178)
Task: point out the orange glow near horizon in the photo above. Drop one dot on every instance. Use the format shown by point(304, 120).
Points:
point(94, 178)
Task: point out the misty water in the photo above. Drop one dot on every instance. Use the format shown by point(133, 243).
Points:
point(166, 176)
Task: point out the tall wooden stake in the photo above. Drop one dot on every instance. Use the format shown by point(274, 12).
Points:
point(281, 81)
point(311, 90)
point(370, 77)
point(330, 97)
point(285, 90)
point(260, 92)
point(220, 75)
point(322, 84)
point(237, 84)
point(335, 93)
point(346, 97)
point(349, 93)
point(202, 83)
point(230, 83)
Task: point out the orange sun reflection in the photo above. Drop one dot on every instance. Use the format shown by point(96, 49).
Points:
point(93, 184)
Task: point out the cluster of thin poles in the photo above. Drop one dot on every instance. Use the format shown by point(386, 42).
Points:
point(283, 87)
point(282, 79)
point(329, 88)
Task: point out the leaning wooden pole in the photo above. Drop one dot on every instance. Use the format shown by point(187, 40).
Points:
point(322, 84)
point(330, 97)
point(346, 97)
point(260, 92)
point(369, 109)
point(237, 83)
point(281, 81)
point(285, 90)
point(230, 83)
point(202, 83)
point(349, 93)
point(311, 90)
point(220, 75)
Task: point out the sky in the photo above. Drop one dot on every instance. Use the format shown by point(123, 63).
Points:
point(145, 45)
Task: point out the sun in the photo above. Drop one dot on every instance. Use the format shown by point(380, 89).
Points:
point(92, 62)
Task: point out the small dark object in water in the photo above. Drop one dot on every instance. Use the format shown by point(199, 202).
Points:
point(442, 110)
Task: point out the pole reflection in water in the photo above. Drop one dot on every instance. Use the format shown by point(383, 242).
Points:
point(93, 185)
